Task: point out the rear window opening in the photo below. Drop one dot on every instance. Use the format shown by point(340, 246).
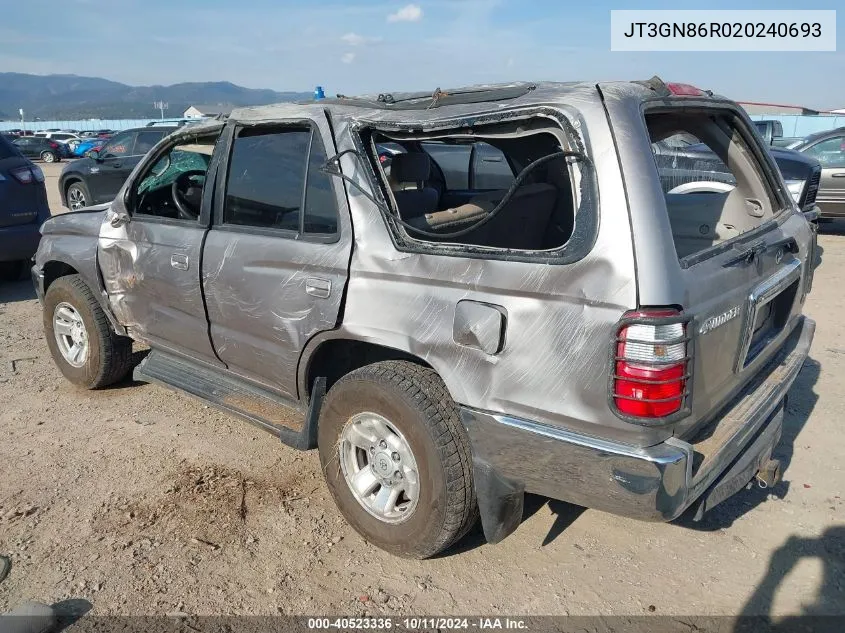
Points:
point(446, 183)
point(713, 184)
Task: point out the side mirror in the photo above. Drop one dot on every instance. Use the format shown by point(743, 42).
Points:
point(95, 154)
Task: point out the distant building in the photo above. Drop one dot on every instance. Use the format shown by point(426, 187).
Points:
point(753, 107)
point(203, 111)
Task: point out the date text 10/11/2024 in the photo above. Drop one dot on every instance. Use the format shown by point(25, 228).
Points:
point(417, 623)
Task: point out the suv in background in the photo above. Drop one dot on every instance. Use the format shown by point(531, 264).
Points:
point(99, 176)
point(23, 207)
point(39, 147)
point(570, 326)
point(829, 149)
point(690, 166)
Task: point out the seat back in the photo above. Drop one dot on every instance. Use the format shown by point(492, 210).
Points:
point(408, 175)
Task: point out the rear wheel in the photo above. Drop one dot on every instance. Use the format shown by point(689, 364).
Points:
point(84, 346)
point(49, 157)
point(77, 196)
point(397, 459)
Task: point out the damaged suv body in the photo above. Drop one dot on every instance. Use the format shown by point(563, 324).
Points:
point(450, 340)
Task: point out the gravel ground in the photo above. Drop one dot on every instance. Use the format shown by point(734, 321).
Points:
point(144, 501)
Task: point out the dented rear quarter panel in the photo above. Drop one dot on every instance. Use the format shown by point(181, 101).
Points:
point(560, 318)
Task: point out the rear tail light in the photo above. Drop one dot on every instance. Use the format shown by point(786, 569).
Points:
point(651, 363)
point(23, 175)
point(37, 173)
point(54, 145)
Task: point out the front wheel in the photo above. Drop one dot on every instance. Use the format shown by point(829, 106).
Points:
point(77, 196)
point(83, 345)
point(397, 459)
point(48, 157)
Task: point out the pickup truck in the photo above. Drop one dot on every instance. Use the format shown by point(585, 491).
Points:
point(572, 327)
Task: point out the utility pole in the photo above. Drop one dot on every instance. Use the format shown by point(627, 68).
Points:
point(162, 106)
point(23, 123)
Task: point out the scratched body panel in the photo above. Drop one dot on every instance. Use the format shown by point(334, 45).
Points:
point(559, 318)
point(260, 289)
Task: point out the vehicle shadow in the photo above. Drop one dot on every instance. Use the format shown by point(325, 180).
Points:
point(128, 381)
point(565, 515)
point(825, 614)
point(802, 398)
point(12, 291)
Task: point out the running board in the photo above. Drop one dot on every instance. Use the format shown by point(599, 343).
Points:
point(235, 395)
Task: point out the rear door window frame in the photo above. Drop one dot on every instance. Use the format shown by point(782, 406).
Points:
point(221, 186)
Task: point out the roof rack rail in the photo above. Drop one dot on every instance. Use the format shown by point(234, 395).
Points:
point(425, 101)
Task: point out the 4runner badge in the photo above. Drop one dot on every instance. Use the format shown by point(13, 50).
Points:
point(719, 320)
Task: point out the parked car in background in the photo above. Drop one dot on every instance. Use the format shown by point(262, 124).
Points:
point(61, 137)
point(37, 147)
point(23, 207)
point(829, 149)
point(460, 167)
point(687, 166)
point(84, 146)
point(100, 175)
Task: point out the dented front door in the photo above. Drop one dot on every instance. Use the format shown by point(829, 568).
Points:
point(151, 267)
point(151, 272)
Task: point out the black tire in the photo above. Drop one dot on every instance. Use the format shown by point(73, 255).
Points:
point(109, 355)
point(83, 191)
point(415, 400)
point(11, 271)
point(49, 157)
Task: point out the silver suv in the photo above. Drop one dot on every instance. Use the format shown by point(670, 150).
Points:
point(592, 329)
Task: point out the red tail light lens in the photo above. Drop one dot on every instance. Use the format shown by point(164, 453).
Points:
point(651, 364)
point(22, 174)
point(54, 145)
point(684, 90)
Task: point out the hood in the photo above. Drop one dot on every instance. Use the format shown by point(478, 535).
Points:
point(83, 222)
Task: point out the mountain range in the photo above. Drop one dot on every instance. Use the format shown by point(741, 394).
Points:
point(71, 97)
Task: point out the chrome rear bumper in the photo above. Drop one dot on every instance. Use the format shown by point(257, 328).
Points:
point(512, 456)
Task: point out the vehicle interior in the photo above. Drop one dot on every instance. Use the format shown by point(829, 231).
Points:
point(446, 187)
point(173, 185)
point(711, 196)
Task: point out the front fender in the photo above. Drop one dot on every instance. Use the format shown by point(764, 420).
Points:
point(77, 251)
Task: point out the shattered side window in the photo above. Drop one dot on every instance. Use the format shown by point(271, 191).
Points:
point(168, 168)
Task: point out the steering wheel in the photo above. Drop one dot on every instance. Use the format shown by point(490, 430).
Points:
point(181, 182)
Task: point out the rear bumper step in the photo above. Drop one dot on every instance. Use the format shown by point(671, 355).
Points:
point(512, 456)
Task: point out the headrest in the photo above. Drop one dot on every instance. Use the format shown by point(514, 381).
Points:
point(410, 167)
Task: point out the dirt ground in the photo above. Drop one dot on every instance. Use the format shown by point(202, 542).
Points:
point(144, 501)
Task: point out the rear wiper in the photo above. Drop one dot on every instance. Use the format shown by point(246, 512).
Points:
point(754, 250)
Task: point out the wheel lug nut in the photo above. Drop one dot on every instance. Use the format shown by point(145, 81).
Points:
point(383, 444)
point(395, 457)
point(398, 474)
point(372, 449)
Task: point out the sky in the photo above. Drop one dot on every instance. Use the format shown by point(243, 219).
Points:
point(366, 46)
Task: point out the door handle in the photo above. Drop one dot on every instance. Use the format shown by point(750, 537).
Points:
point(840, 174)
point(318, 287)
point(179, 261)
point(116, 165)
